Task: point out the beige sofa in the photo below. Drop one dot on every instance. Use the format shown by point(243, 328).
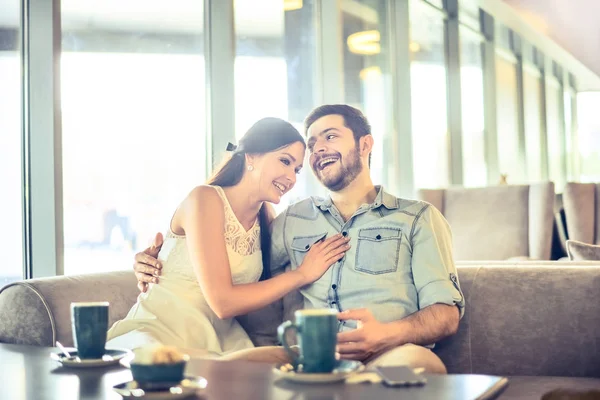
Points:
point(537, 322)
point(498, 222)
point(582, 211)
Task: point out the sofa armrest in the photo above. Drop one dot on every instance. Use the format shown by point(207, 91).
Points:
point(37, 311)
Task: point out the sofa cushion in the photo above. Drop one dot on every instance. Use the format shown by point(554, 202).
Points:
point(38, 311)
point(527, 319)
point(534, 387)
point(497, 222)
point(26, 317)
point(582, 210)
point(579, 251)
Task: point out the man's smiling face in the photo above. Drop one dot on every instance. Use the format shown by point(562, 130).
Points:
point(334, 153)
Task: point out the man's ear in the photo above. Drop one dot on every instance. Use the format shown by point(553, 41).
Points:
point(366, 145)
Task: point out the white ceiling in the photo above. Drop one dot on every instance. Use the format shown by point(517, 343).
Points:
point(572, 24)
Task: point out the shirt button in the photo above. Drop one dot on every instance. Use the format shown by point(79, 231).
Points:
point(334, 286)
point(344, 233)
point(307, 247)
point(378, 237)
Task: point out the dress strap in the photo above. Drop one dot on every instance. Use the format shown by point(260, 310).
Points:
point(226, 204)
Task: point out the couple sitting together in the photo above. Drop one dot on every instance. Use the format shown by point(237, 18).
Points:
point(383, 262)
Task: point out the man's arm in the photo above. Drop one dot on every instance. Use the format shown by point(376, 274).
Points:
point(371, 337)
point(432, 262)
point(426, 326)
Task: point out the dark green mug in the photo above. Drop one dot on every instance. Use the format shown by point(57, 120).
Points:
point(316, 331)
point(90, 325)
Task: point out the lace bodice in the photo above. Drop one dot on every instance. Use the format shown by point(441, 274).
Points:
point(243, 250)
point(242, 242)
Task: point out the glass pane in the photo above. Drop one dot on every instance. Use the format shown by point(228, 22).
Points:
point(507, 121)
point(556, 138)
point(274, 67)
point(428, 97)
point(471, 75)
point(11, 209)
point(133, 124)
point(436, 3)
point(570, 135)
point(532, 87)
point(468, 13)
point(367, 80)
point(588, 124)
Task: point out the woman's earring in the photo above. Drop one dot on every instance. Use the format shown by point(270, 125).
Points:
point(250, 168)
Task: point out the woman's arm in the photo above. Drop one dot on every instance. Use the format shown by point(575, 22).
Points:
point(202, 218)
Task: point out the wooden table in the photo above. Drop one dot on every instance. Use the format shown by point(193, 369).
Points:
point(28, 373)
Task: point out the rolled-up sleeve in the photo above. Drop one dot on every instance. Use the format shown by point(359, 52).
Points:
point(433, 269)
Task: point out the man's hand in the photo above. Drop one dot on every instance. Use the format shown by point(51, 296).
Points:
point(369, 338)
point(147, 267)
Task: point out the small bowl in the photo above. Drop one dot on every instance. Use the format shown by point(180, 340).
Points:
point(158, 376)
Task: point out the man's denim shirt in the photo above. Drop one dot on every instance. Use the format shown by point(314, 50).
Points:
point(400, 260)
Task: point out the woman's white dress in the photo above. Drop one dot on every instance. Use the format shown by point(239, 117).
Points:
point(175, 312)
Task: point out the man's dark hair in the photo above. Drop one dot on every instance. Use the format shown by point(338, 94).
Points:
point(354, 119)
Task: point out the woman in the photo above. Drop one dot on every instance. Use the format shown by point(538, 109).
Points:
point(217, 249)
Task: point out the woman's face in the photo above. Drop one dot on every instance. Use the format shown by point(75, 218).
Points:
point(275, 172)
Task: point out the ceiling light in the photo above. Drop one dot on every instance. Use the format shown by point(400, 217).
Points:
point(365, 42)
point(414, 47)
point(291, 5)
point(370, 72)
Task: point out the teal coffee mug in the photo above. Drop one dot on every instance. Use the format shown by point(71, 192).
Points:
point(316, 331)
point(90, 325)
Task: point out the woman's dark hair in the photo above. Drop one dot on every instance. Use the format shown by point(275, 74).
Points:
point(265, 136)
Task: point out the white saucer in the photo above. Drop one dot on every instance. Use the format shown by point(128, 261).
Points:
point(190, 386)
point(111, 357)
point(343, 370)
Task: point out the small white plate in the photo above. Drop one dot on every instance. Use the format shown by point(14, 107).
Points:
point(111, 357)
point(190, 386)
point(343, 370)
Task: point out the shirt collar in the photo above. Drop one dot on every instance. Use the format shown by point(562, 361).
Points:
point(383, 198)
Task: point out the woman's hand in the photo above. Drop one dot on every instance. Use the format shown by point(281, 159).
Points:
point(321, 256)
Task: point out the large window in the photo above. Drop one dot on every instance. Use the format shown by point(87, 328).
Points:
point(428, 96)
point(588, 125)
point(11, 211)
point(133, 124)
point(367, 83)
point(471, 81)
point(508, 120)
point(275, 67)
point(534, 116)
point(556, 133)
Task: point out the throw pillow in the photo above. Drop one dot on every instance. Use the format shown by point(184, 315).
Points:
point(579, 251)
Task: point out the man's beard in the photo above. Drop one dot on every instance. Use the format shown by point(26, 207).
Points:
point(350, 167)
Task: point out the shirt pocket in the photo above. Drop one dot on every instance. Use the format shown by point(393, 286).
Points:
point(377, 250)
point(302, 244)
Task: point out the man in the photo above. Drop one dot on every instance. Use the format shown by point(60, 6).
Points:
point(396, 288)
